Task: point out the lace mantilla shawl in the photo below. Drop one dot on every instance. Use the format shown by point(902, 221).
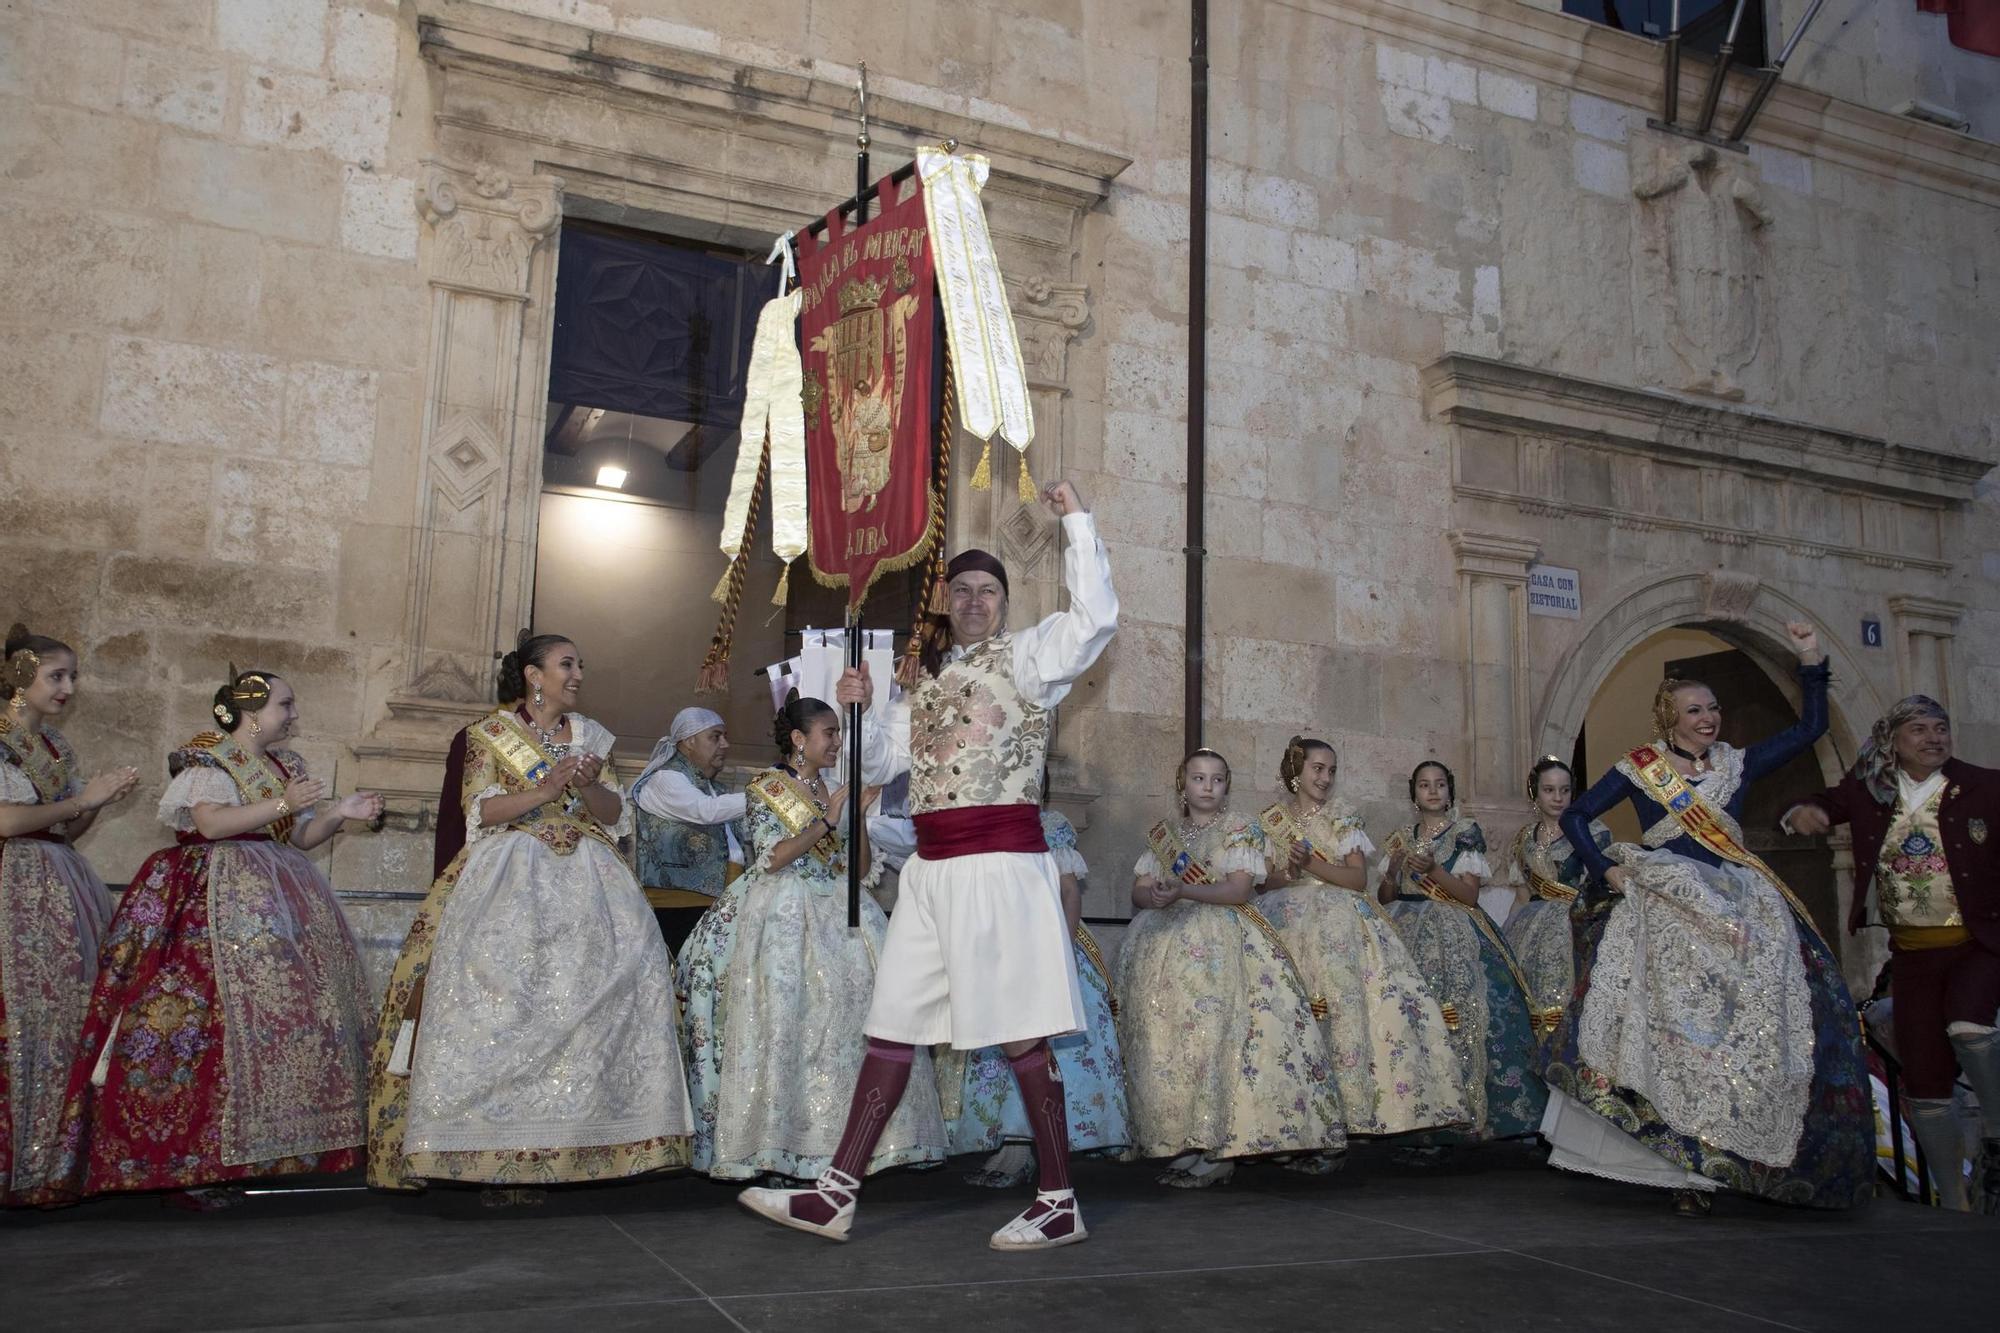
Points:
point(1698, 999)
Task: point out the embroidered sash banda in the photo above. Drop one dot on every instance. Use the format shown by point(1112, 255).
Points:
point(1176, 860)
point(522, 758)
point(1699, 821)
point(1401, 842)
point(37, 756)
point(1088, 943)
point(985, 349)
point(1280, 827)
point(1181, 864)
point(1542, 886)
point(251, 773)
point(787, 798)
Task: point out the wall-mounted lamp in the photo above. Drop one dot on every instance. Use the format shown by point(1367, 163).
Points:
point(611, 478)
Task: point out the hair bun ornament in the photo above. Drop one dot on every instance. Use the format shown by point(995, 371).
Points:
point(22, 663)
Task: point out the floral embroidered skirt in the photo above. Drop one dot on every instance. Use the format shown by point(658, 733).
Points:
point(1222, 1052)
point(53, 914)
point(1540, 936)
point(1391, 1053)
point(1833, 1163)
point(982, 1100)
point(226, 1038)
point(1474, 983)
point(776, 988)
point(546, 1050)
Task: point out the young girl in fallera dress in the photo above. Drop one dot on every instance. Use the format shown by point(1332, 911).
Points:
point(776, 986)
point(1546, 874)
point(228, 1030)
point(53, 907)
point(1432, 871)
point(1224, 1051)
point(1391, 1053)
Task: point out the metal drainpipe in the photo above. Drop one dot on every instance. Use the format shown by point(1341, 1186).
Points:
point(1197, 404)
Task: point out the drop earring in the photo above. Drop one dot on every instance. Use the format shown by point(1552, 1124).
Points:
point(1294, 786)
point(538, 696)
point(255, 730)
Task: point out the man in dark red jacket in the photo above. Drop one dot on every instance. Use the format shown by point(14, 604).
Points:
point(1927, 836)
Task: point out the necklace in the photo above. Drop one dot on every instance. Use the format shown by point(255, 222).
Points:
point(547, 736)
point(1698, 761)
point(814, 787)
point(1432, 835)
point(1547, 834)
point(1189, 830)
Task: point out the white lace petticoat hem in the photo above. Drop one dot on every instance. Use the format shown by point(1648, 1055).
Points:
point(1580, 1140)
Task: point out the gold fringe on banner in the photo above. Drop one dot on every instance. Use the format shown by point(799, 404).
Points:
point(714, 674)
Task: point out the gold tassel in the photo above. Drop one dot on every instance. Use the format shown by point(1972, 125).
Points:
point(784, 586)
point(982, 476)
point(1029, 491)
point(940, 598)
point(721, 594)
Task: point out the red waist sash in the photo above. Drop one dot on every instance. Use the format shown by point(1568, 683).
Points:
point(195, 839)
point(972, 829)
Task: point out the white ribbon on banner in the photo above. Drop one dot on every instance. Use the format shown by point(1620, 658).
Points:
point(985, 351)
point(771, 404)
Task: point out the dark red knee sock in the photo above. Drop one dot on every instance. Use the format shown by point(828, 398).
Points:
point(1048, 1113)
point(884, 1074)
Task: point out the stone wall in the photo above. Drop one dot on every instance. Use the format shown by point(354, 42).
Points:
point(228, 264)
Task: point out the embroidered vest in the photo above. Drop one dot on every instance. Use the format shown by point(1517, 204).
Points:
point(1912, 880)
point(675, 855)
point(43, 756)
point(973, 739)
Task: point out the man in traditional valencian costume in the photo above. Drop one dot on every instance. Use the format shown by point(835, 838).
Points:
point(1924, 832)
point(978, 951)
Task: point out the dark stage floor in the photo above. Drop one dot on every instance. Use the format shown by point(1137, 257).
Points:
point(1496, 1242)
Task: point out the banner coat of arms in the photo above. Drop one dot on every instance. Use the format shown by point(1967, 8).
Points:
point(868, 336)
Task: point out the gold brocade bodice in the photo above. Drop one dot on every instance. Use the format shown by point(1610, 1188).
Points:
point(1912, 878)
point(974, 738)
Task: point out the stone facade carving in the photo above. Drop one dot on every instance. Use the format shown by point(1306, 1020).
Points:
point(1727, 596)
point(1645, 462)
point(483, 244)
point(1493, 610)
point(467, 559)
point(1925, 631)
point(1700, 267)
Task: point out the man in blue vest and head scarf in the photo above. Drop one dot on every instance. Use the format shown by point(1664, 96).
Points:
point(689, 843)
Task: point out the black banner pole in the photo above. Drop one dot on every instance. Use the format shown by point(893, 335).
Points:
point(855, 831)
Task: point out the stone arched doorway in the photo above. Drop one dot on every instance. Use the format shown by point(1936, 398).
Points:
point(1748, 618)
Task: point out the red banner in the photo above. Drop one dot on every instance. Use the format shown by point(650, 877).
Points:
point(867, 334)
point(1973, 25)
